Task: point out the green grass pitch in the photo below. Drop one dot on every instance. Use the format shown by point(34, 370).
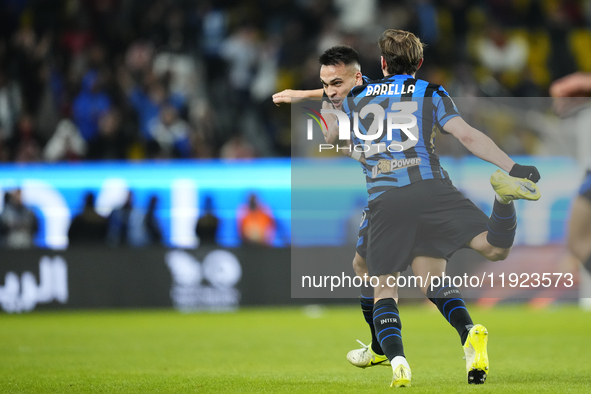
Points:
point(284, 350)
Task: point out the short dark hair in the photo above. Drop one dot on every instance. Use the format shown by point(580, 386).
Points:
point(402, 51)
point(340, 54)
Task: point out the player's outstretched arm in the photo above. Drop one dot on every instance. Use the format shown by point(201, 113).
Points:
point(570, 93)
point(485, 148)
point(331, 135)
point(285, 96)
point(573, 85)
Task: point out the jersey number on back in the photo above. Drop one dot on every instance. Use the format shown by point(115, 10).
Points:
point(404, 120)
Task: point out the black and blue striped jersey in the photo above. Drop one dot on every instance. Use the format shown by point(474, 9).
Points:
point(412, 111)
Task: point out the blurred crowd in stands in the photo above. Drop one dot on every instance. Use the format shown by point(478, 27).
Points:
point(18, 223)
point(133, 225)
point(160, 79)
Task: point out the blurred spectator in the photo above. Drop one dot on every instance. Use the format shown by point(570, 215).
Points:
point(213, 32)
point(427, 21)
point(205, 134)
point(561, 60)
point(119, 223)
point(265, 79)
point(256, 224)
point(237, 148)
point(293, 50)
point(10, 17)
point(25, 145)
point(129, 226)
point(170, 136)
point(18, 224)
point(88, 227)
point(207, 225)
point(53, 102)
point(173, 62)
point(458, 10)
point(241, 52)
point(139, 55)
point(28, 54)
point(65, 144)
point(180, 68)
point(309, 73)
point(110, 143)
point(501, 52)
point(356, 15)
point(148, 102)
point(329, 37)
point(90, 104)
point(10, 105)
point(150, 223)
point(4, 154)
point(77, 35)
point(103, 17)
point(463, 83)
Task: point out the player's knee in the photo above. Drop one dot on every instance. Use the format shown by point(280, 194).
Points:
point(497, 254)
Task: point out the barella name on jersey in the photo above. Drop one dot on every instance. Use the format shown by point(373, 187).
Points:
point(389, 89)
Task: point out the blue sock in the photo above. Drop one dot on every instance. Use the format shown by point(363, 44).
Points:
point(388, 327)
point(450, 303)
point(501, 225)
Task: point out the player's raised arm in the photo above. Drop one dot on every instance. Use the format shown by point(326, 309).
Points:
point(485, 148)
point(285, 96)
point(573, 85)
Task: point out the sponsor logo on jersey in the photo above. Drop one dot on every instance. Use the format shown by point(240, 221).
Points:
point(385, 166)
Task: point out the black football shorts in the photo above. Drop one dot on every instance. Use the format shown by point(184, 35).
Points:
point(427, 218)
